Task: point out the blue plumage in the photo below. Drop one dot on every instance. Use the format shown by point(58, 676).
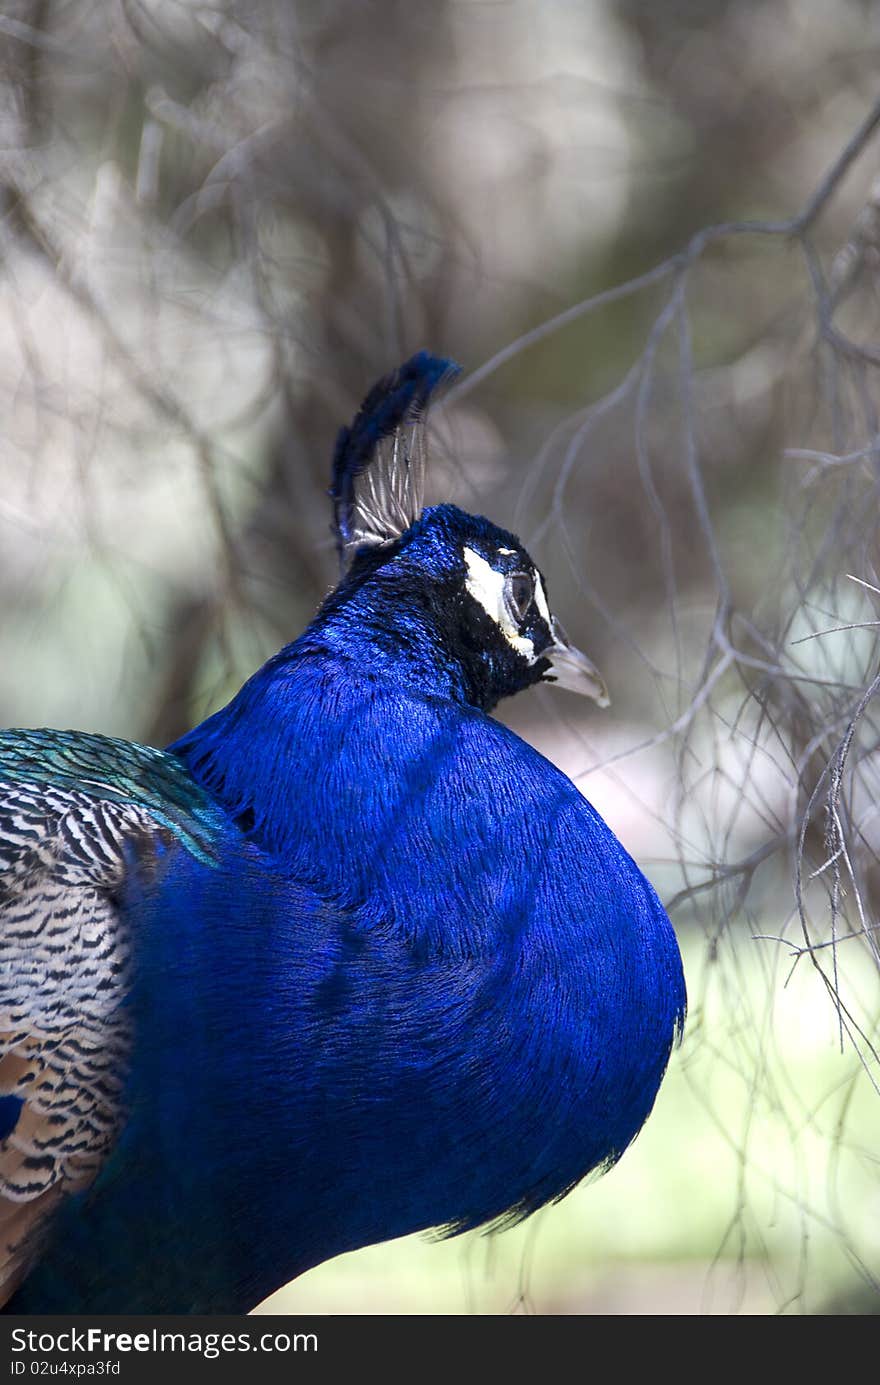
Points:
point(415, 981)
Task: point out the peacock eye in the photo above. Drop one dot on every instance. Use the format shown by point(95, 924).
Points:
point(519, 590)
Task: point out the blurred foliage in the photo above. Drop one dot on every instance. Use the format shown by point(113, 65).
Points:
point(650, 232)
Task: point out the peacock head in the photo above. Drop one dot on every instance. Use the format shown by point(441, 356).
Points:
point(458, 580)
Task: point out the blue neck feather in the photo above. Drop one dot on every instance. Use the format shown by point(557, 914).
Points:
point(429, 988)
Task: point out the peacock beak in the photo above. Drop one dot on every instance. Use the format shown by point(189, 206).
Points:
point(571, 669)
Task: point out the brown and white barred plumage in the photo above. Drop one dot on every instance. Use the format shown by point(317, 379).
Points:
point(64, 961)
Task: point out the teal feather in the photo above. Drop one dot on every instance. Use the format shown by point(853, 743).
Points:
point(104, 769)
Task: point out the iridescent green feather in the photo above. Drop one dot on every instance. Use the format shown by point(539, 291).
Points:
point(109, 770)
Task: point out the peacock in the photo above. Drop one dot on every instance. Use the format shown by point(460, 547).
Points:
point(348, 960)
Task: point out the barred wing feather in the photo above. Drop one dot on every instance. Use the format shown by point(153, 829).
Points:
point(75, 810)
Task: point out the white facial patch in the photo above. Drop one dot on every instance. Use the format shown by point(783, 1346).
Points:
point(542, 603)
point(486, 586)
